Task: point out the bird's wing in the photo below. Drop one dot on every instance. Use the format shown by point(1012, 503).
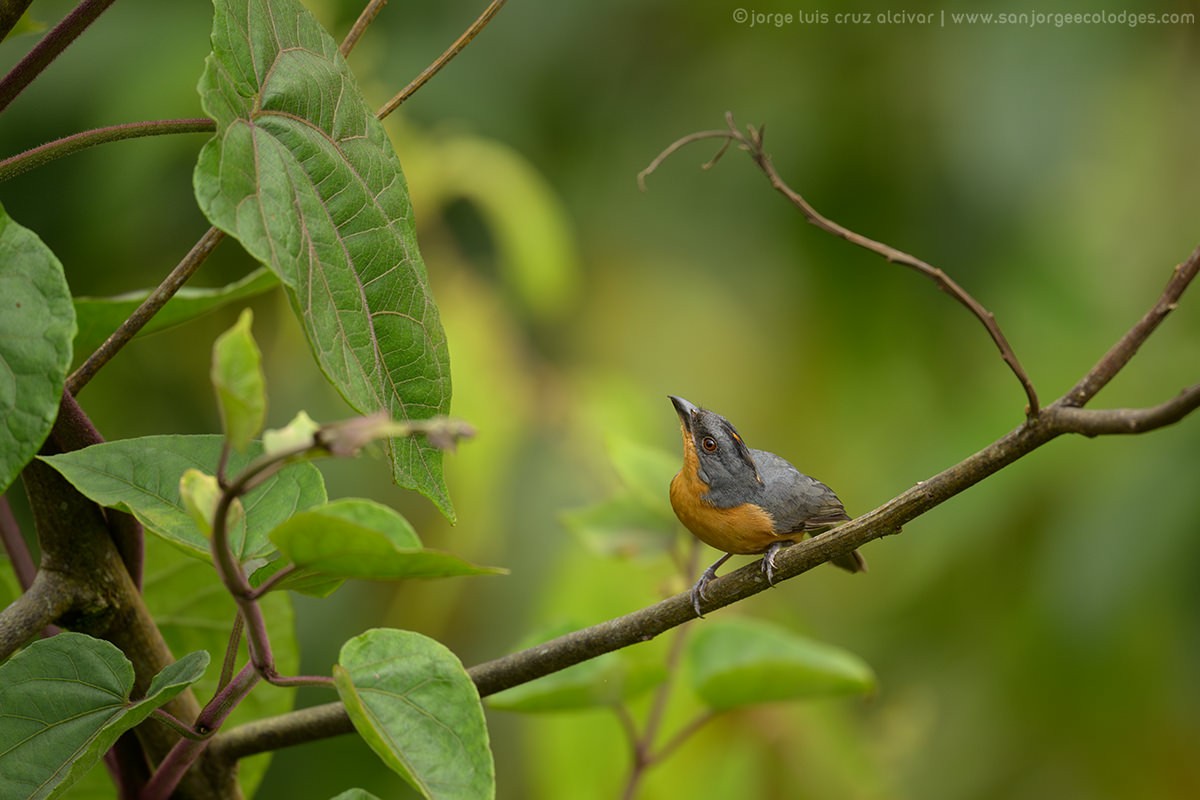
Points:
point(796, 501)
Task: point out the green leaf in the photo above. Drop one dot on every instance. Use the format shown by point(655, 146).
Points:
point(194, 612)
point(303, 175)
point(142, 476)
point(414, 704)
point(743, 662)
point(36, 327)
point(238, 379)
point(355, 794)
point(64, 701)
point(200, 494)
point(600, 682)
point(356, 538)
point(99, 316)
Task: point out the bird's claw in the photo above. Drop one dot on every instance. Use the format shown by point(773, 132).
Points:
point(698, 591)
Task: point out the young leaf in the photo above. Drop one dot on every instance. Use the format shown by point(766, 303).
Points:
point(64, 701)
point(37, 324)
point(98, 317)
point(238, 379)
point(142, 476)
point(303, 175)
point(361, 539)
point(200, 494)
point(745, 661)
point(355, 794)
point(414, 704)
point(194, 612)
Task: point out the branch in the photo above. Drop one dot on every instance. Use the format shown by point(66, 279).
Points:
point(751, 141)
point(44, 154)
point(1059, 418)
point(10, 15)
point(49, 48)
point(442, 60)
point(1125, 348)
point(368, 15)
point(146, 311)
point(44, 602)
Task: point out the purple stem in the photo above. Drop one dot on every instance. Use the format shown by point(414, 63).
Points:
point(15, 545)
point(49, 48)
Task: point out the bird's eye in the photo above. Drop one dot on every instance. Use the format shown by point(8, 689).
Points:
point(709, 444)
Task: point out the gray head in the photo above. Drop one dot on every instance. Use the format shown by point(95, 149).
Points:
point(712, 447)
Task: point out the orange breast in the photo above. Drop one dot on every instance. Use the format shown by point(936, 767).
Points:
point(744, 529)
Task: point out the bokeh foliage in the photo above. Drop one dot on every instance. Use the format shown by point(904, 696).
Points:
point(1033, 638)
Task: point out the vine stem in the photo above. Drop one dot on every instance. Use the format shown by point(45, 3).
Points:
point(751, 141)
point(49, 48)
point(445, 58)
point(45, 153)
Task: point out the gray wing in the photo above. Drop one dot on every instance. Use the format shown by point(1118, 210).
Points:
point(798, 502)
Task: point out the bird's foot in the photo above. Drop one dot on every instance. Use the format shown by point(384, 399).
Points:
point(698, 591)
point(768, 562)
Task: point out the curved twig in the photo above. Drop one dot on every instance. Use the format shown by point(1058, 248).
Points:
point(751, 141)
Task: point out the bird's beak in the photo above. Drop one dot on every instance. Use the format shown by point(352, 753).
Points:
point(684, 409)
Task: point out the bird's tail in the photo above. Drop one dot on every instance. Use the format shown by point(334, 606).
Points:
point(854, 562)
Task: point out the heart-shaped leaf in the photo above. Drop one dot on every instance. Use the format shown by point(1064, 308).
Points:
point(303, 175)
point(64, 701)
point(37, 324)
point(414, 704)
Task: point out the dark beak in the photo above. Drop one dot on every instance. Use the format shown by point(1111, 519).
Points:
point(684, 409)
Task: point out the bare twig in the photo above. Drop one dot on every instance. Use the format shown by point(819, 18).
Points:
point(14, 544)
point(442, 60)
point(44, 154)
point(10, 15)
point(49, 48)
point(364, 20)
point(1120, 353)
point(751, 141)
point(146, 311)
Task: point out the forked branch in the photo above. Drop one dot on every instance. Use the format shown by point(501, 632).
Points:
point(751, 141)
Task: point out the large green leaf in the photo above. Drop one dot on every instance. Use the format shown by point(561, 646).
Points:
point(356, 538)
point(744, 661)
point(37, 324)
point(98, 317)
point(194, 612)
point(142, 475)
point(414, 704)
point(64, 701)
point(303, 175)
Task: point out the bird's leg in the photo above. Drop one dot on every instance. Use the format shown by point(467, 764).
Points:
point(709, 574)
point(768, 562)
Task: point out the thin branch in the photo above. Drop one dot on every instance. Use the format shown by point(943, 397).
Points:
point(47, 599)
point(44, 154)
point(368, 15)
point(442, 60)
point(15, 546)
point(1115, 421)
point(1120, 353)
point(49, 48)
point(146, 311)
point(10, 15)
point(751, 141)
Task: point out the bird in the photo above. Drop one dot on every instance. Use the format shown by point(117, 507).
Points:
point(745, 501)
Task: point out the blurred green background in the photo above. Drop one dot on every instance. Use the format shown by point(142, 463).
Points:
point(1036, 637)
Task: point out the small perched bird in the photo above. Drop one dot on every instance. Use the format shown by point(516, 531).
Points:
point(746, 501)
